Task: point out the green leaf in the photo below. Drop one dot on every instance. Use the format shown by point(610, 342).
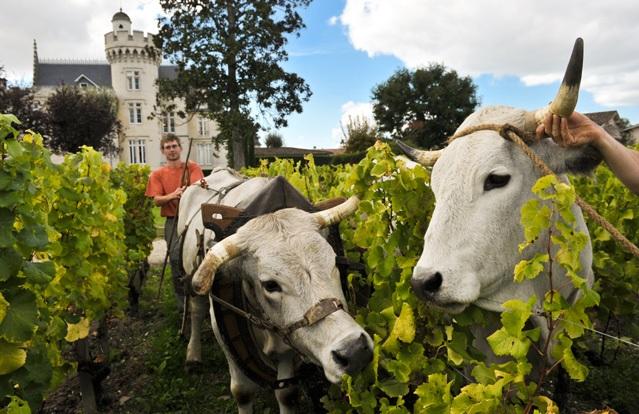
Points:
point(18, 406)
point(10, 263)
point(6, 228)
point(536, 219)
point(435, 395)
point(516, 314)
point(503, 343)
point(13, 357)
point(14, 148)
point(20, 321)
point(39, 273)
point(576, 370)
point(393, 388)
point(530, 269)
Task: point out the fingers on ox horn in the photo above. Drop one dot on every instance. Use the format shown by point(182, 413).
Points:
point(426, 158)
point(334, 215)
point(219, 254)
point(565, 101)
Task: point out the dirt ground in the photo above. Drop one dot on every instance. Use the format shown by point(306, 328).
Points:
point(128, 375)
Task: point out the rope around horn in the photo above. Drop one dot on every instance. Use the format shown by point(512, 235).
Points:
point(515, 135)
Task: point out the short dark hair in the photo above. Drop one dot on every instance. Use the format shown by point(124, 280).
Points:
point(168, 138)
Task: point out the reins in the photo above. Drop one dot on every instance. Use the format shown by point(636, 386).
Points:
point(522, 139)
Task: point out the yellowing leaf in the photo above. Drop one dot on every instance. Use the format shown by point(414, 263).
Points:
point(13, 357)
point(4, 305)
point(78, 330)
point(403, 329)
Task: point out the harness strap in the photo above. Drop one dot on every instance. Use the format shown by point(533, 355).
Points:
point(521, 139)
point(316, 313)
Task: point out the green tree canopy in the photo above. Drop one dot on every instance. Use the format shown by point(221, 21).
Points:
point(424, 106)
point(228, 54)
point(358, 134)
point(80, 117)
point(20, 102)
point(274, 140)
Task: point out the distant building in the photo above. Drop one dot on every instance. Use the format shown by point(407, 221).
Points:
point(633, 134)
point(131, 70)
point(608, 120)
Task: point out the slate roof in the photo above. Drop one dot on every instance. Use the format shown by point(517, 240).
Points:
point(55, 74)
point(601, 118)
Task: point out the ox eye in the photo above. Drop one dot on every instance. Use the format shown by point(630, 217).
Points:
point(271, 286)
point(496, 181)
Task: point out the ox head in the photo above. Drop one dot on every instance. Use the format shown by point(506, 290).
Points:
point(480, 182)
point(289, 268)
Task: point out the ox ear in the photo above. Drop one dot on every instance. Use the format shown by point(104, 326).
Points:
point(572, 160)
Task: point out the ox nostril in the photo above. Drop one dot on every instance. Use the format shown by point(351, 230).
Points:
point(340, 359)
point(433, 283)
point(427, 285)
point(355, 355)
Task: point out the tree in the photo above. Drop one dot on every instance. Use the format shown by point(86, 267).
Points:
point(358, 135)
point(20, 102)
point(80, 117)
point(425, 106)
point(228, 55)
point(274, 140)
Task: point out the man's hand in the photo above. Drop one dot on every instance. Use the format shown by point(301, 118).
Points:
point(574, 131)
point(164, 199)
point(177, 193)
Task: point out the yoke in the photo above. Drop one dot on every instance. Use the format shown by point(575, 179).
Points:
point(234, 328)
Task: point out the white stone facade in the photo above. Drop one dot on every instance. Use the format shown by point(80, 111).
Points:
point(134, 70)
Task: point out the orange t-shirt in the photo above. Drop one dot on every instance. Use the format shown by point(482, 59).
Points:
point(166, 179)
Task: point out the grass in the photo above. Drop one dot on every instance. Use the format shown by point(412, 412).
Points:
point(158, 221)
point(169, 388)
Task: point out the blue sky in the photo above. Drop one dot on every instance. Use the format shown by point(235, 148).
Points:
point(515, 52)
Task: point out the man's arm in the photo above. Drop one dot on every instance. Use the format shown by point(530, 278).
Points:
point(578, 129)
point(161, 200)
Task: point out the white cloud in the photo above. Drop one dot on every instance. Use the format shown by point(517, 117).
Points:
point(63, 29)
point(528, 39)
point(351, 111)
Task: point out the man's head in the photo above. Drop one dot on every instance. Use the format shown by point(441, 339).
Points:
point(171, 147)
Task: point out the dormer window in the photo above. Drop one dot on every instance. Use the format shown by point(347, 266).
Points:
point(133, 80)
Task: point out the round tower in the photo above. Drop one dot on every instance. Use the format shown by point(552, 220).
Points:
point(134, 70)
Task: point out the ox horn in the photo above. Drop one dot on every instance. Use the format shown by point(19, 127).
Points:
point(426, 158)
point(336, 214)
point(219, 254)
point(566, 99)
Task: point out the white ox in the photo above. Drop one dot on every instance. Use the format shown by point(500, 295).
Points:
point(480, 182)
point(287, 267)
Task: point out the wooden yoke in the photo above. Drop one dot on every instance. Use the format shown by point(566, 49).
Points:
point(218, 218)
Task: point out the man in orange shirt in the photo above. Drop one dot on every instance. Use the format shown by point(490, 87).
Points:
point(166, 185)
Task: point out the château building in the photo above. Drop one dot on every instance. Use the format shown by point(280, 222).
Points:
point(130, 71)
